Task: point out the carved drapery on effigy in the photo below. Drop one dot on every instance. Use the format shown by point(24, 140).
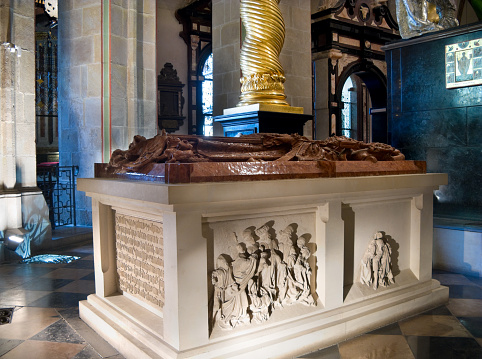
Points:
point(263, 75)
point(268, 273)
point(140, 258)
point(143, 153)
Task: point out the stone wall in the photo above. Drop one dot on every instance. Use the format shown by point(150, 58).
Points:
point(80, 86)
point(20, 34)
point(296, 54)
point(226, 52)
point(85, 121)
point(22, 204)
point(429, 122)
point(133, 72)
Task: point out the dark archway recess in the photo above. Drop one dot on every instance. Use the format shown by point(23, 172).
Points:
point(347, 39)
point(376, 84)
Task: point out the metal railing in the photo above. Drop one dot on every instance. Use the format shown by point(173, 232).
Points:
point(58, 187)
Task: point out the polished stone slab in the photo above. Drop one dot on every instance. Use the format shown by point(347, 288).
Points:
point(272, 170)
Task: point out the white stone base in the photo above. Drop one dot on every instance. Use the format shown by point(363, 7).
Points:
point(336, 216)
point(129, 328)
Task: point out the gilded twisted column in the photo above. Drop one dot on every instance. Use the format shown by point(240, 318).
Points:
point(263, 75)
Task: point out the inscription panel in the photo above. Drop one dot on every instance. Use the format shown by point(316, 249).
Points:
point(140, 258)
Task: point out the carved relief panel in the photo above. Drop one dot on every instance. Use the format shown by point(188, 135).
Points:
point(376, 264)
point(261, 267)
point(140, 258)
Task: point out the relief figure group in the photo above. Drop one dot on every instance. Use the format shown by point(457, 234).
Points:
point(376, 265)
point(267, 273)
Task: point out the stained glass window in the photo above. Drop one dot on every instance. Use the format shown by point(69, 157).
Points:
point(207, 96)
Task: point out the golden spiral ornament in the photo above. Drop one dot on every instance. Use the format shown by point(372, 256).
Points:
point(263, 75)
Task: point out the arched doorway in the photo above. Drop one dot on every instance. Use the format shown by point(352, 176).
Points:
point(362, 100)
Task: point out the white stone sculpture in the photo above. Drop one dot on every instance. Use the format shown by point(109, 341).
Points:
point(229, 301)
point(376, 264)
point(261, 277)
point(285, 241)
point(303, 273)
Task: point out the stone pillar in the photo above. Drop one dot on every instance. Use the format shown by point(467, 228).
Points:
point(107, 82)
point(295, 56)
point(21, 203)
point(226, 52)
point(133, 72)
point(80, 84)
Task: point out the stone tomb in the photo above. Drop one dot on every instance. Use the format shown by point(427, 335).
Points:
point(257, 269)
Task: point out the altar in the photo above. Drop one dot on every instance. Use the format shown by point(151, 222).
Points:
point(163, 251)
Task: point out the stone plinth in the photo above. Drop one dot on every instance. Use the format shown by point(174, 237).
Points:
point(157, 245)
point(246, 120)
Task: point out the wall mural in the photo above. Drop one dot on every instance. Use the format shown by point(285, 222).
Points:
point(376, 264)
point(267, 274)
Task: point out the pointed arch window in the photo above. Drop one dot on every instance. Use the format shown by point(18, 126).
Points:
point(348, 112)
point(356, 119)
point(207, 96)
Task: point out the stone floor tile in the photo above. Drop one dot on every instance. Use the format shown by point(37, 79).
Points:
point(376, 347)
point(89, 257)
point(71, 315)
point(465, 291)
point(59, 332)
point(87, 353)
point(8, 344)
point(438, 311)
point(27, 322)
point(444, 348)
point(10, 282)
point(392, 329)
point(79, 286)
point(44, 350)
point(476, 280)
point(59, 300)
point(90, 276)
point(67, 273)
point(433, 325)
point(473, 325)
point(461, 307)
point(20, 297)
point(327, 353)
point(83, 264)
point(45, 284)
point(23, 270)
point(452, 279)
